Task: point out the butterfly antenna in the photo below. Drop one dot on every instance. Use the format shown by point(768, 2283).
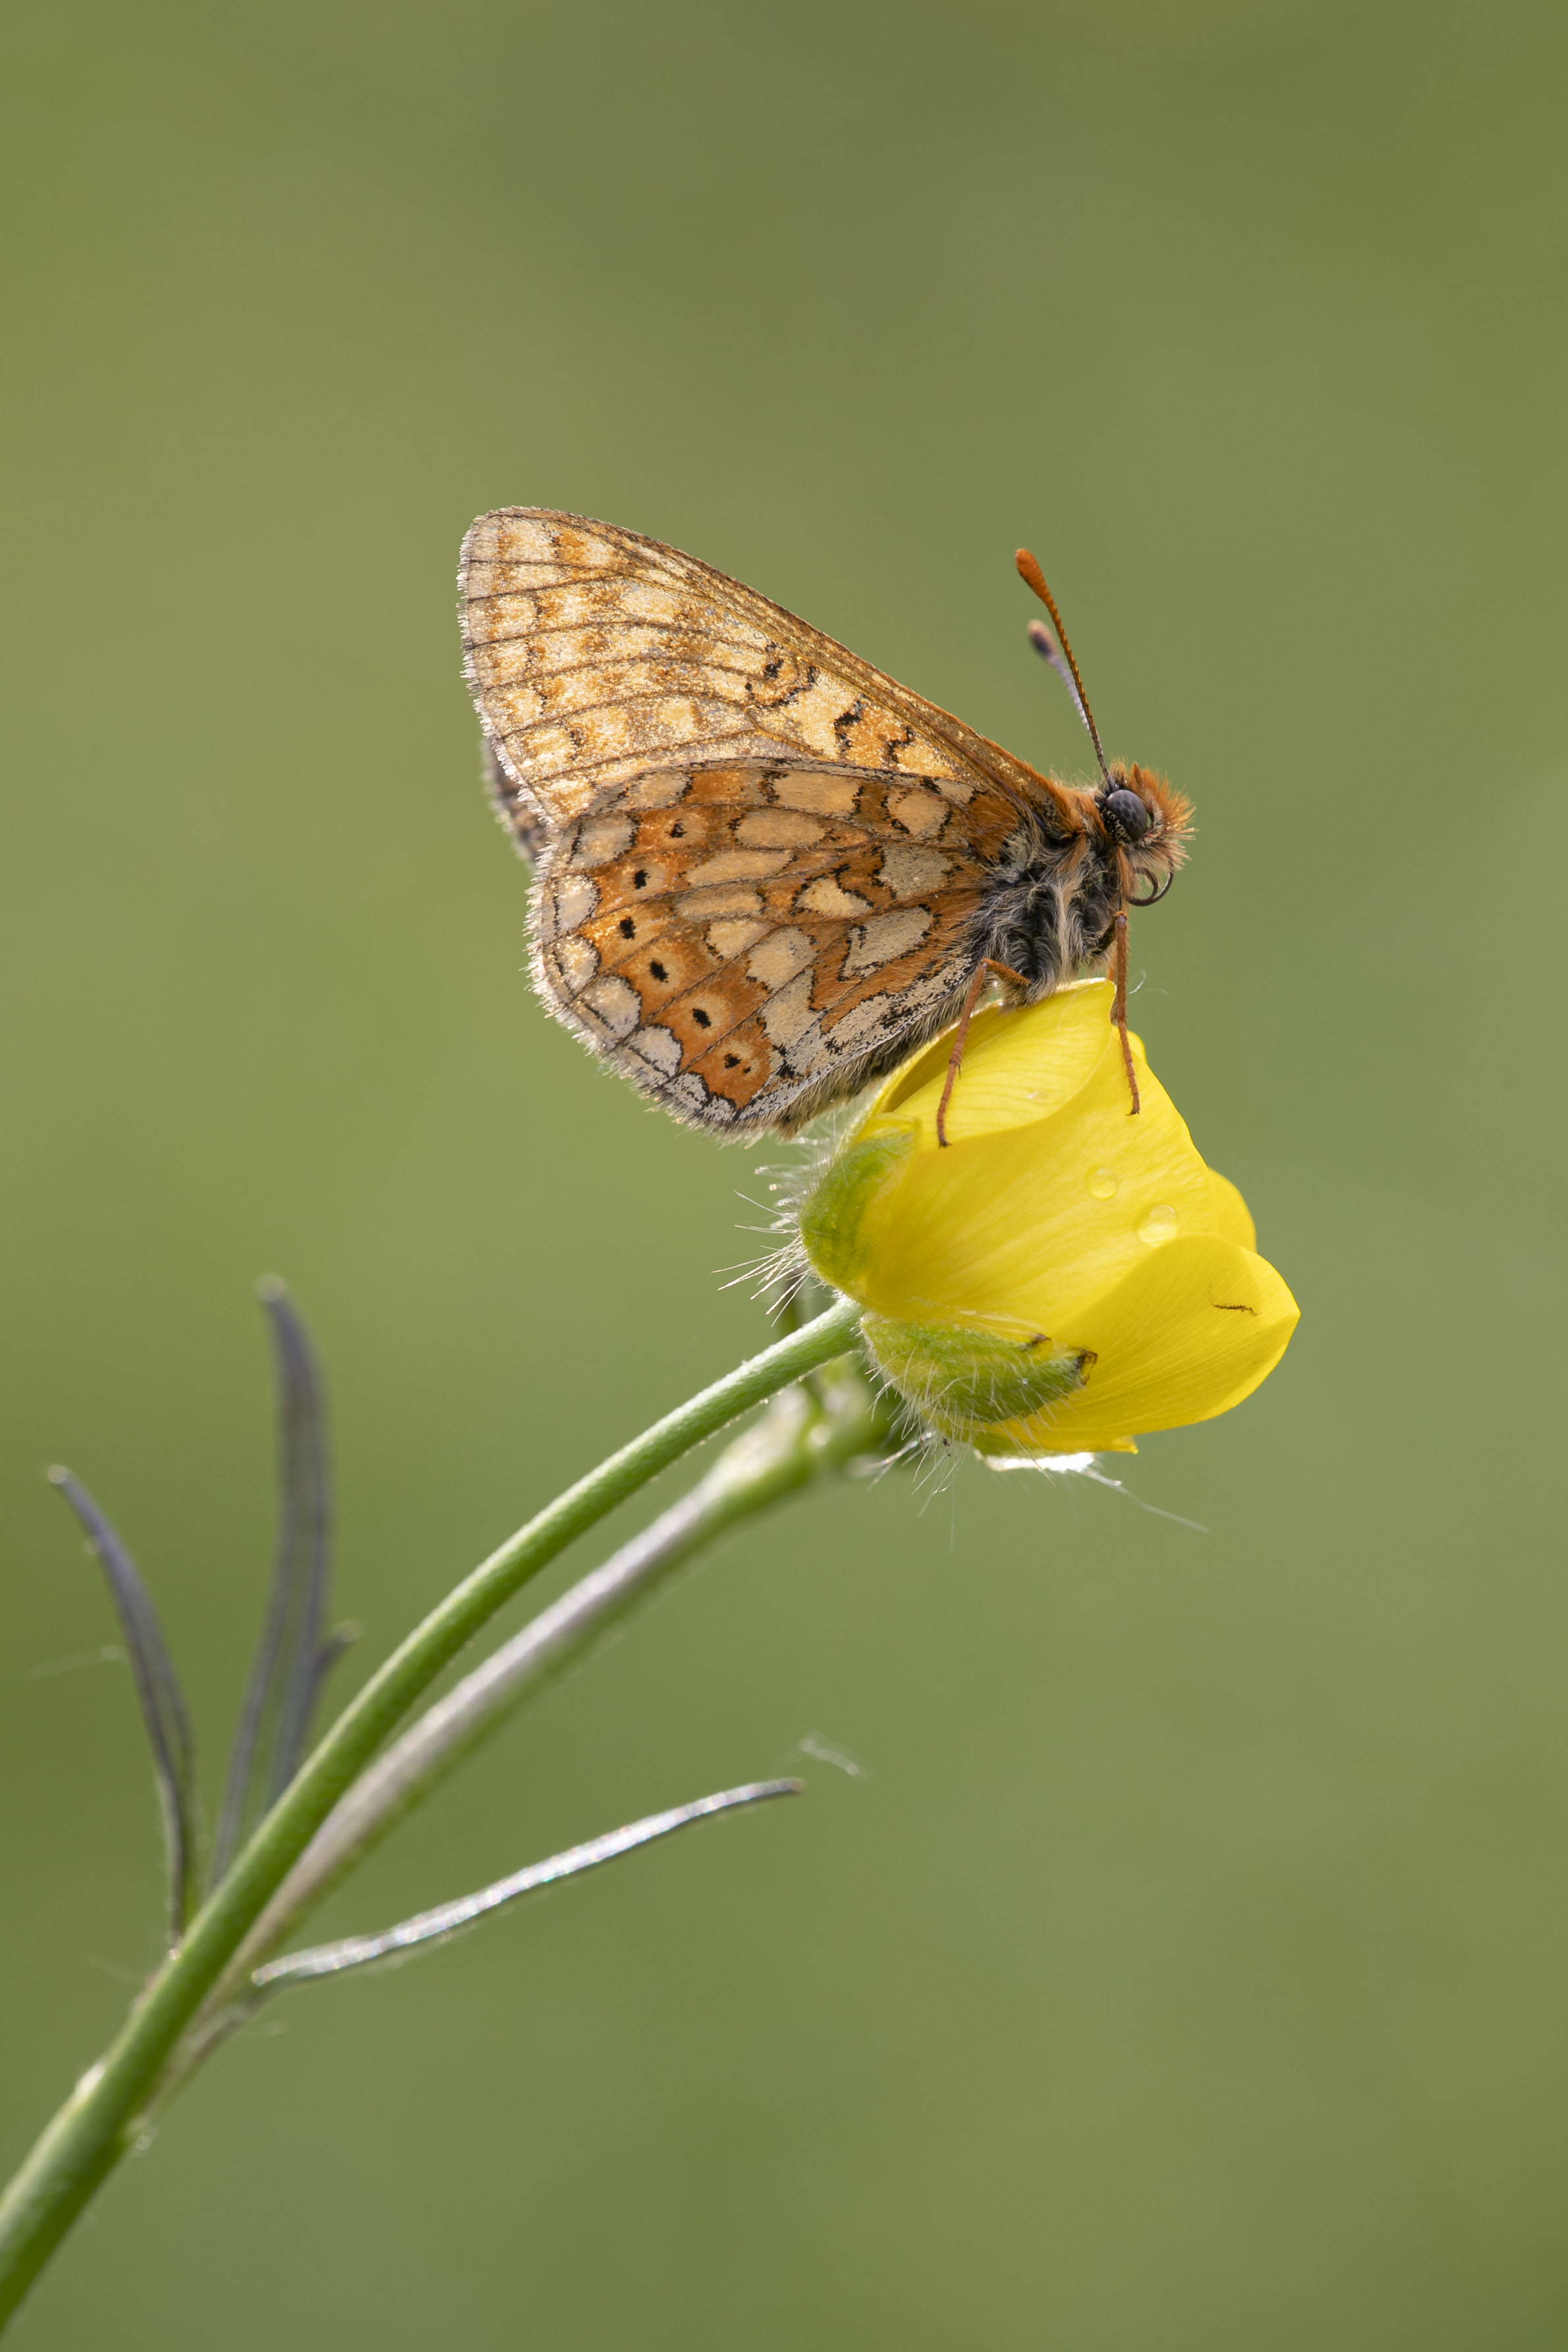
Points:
point(1058, 651)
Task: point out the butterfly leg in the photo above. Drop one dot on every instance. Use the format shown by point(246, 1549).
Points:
point(1119, 1007)
point(956, 1059)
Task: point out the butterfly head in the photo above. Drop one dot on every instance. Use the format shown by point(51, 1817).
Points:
point(1147, 823)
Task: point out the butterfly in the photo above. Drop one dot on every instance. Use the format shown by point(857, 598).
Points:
point(764, 873)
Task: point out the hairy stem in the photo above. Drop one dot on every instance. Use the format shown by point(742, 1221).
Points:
point(98, 2124)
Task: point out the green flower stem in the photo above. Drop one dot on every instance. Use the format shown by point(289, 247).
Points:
point(98, 2124)
point(807, 1433)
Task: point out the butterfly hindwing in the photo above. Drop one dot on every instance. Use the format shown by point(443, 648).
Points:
point(595, 655)
point(744, 938)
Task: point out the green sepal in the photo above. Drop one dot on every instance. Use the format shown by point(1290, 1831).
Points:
point(960, 1380)
point(832, 1223)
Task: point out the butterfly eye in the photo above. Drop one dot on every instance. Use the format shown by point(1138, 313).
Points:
point(1129, 814)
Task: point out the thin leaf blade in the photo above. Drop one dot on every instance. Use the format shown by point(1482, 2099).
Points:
point(448, 1919)
point(164, 1711)
point(291, 1658)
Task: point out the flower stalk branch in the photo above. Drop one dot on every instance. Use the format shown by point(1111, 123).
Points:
point(810, 1431)
point(99, 2123)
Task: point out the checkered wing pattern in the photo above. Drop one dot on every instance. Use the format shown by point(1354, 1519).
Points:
point(759, 858)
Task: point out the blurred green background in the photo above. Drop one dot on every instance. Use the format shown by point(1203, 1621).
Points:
point(1188, 1971)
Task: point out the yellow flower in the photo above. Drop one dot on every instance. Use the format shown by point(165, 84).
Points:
point(1062, 1275)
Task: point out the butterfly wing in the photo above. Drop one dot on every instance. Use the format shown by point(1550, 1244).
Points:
point(530, 831)
point(749, 940)
point(596, 654)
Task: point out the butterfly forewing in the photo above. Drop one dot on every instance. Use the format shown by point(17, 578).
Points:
point(747, 939)
point(595, 655)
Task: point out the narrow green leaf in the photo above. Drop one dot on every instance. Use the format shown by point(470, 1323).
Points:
point(434, 1927)
point(164, 1712)
point(291, 1659)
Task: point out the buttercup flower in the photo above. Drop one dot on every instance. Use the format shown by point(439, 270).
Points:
point(1062, 1275)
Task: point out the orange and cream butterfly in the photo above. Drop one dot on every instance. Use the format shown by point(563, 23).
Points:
point(764, 872)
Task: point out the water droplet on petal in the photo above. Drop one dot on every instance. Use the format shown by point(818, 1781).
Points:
point(1159, 1225)
point(1103, 1183)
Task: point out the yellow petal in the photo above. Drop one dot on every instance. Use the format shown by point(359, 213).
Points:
point(1025, 1224)
point(1232, 1218)
point(1186, 1334)
point(1018, 1066)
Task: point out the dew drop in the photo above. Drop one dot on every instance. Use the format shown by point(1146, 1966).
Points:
point(1159, 1225)
point(1103, 1183)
